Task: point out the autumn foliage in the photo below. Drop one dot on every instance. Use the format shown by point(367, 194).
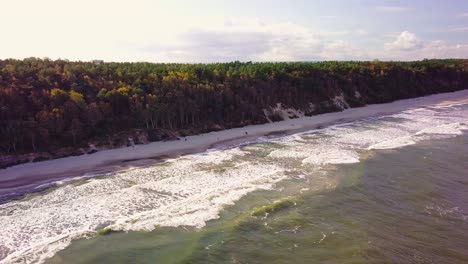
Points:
point(46, 103)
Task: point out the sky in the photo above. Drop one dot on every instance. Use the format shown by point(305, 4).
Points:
point(245, 30)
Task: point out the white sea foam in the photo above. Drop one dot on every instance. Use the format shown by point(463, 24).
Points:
point(192, 189)
point(332, 156)
point(342, 143)
point(394, 143)
point(187, 191)
point(445, 129)
point(446, 212)
point(318, 152)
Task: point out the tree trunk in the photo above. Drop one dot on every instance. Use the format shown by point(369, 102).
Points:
point(33, 142)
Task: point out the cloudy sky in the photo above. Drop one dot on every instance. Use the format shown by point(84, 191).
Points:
point(245, 30)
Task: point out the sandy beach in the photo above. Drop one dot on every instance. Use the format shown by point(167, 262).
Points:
point(26, 176)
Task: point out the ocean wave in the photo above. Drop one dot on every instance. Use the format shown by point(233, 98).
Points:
point(342, 143)
point(192, 189)
point(189, 191)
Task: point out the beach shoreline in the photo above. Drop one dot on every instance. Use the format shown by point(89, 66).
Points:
point(19, 178)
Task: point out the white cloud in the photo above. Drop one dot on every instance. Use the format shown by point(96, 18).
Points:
point(362, 32)
point(407, 46)
point(160, 31)
point(443, 49)
point(341, 50)
point(327, 17)
point(459, 29)
point(392, 9)
point(242, 40)
point(405, 41)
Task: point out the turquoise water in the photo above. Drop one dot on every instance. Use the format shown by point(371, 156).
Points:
point(389, 189)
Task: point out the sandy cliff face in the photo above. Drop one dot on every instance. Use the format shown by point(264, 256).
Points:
point(330, 93)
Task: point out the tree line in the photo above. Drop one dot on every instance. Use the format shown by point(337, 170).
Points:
point(57, 103)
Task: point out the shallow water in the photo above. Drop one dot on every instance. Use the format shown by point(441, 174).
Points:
point(381, 190)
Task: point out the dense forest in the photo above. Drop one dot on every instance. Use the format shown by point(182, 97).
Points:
point(56, 107)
